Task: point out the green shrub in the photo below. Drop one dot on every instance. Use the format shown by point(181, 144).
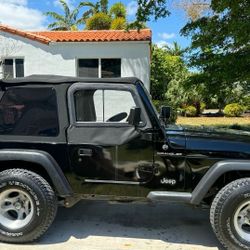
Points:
point(203, 106)
point(234, 110)
point(246, 102)
point(190, 111)
point(181, 111)
point(99, 21)
point(118, 23)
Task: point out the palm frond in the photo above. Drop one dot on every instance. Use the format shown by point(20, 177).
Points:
point(87, 14)
point(65, 8)
point(55, 15)
point(81, 21)
point(104, 6)
point(57, 26)
point(74, 14)
point(87, 4)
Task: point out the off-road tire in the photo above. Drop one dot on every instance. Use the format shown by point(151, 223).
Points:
point(42, 196)
point(222, 212)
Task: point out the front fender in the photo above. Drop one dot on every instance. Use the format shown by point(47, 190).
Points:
point(212, 175)
point(46, 161)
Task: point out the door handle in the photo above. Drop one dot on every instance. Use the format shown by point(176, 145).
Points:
point(85, 152)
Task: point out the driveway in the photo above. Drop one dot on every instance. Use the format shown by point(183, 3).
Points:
point(99, 225)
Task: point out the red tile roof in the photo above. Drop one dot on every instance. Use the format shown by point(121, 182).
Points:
point(82, 36)
point(25, 34)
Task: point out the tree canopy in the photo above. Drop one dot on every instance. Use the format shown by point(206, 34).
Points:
point(220, 47)
point(220, 43)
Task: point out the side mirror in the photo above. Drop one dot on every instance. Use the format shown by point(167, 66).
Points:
point(134, 116)
point(165, 113)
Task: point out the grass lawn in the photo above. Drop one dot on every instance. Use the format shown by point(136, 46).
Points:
point(208, 121)
point(240, 123)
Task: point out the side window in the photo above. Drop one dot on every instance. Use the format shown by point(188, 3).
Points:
point(29, 112)
point(111, 68)
point(88, 67)
point(13, 68)
point(103, 105)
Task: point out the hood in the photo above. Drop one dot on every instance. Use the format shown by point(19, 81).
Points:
point(207, 131)
point(200, 139)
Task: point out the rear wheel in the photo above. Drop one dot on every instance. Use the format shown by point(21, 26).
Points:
point(230, 215)
point(28, 206)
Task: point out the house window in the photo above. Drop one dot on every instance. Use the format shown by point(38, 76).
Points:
point(88, 67)
point(111, 68)
point(100, 68)
point(13, 68)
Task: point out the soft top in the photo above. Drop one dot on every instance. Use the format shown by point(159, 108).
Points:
point(57, 79)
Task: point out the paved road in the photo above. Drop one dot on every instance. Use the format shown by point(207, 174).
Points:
point(103, 226)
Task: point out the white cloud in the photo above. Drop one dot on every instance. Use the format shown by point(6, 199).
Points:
point(163, 43)
point(16, 2)
point(70, 3)
point(16, 13)
point(166, 36)
point(132, 8)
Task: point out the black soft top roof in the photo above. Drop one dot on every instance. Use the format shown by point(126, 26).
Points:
point(56, 79)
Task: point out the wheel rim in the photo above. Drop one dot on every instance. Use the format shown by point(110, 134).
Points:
point(242, 221)
point(16, 209)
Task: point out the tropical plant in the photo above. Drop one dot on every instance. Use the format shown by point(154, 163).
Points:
point(118, 13)
point(99, 21)
point(118, 23)
point(68, 21)
point(175, 49)
point(94, 8)
point(118, 10)
point(99, 17)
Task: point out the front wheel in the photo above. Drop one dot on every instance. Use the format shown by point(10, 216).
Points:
point(230, 215)
point(28, 206)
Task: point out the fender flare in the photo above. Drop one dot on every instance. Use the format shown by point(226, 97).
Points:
point(46, 161)
point(212, 175)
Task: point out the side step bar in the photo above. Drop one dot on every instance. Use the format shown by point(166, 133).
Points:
point(170, 196)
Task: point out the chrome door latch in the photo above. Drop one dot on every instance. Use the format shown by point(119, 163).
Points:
point(85, 152)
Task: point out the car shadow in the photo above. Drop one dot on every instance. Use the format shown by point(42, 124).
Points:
point(170, 223)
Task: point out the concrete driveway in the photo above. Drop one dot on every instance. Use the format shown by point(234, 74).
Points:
point(100, 225)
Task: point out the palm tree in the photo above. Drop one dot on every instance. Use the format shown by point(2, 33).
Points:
point(175, 50)
point(68, 21)
point(99, 16)
point(94, 8)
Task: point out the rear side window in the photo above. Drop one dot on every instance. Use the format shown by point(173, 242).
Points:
point(29, 112)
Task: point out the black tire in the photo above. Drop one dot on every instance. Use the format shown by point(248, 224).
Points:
point(224, 214)
point(42, 199)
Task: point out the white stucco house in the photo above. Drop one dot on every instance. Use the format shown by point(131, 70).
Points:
point(75, 53)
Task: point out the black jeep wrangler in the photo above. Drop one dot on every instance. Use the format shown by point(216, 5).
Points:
point(65, 139)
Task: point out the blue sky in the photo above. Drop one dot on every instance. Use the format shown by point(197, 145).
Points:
point(28, 15)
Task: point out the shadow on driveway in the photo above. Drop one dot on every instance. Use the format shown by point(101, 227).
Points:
point(167, 223)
